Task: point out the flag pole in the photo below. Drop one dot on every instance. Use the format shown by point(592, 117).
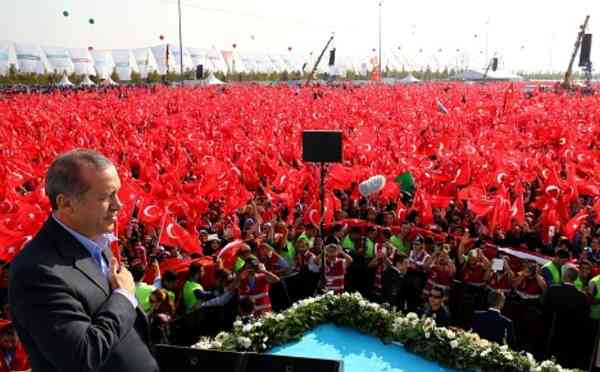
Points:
point(180, 42)
point(380, 3)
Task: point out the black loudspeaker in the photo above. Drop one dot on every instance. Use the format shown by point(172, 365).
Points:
point(586, 49)
point(332, 57)
point(320, 146)
point(199, 72)
point(494, 64)
point(185, 359)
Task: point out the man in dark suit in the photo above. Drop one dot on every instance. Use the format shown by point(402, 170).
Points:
point(73, 306)
point(491, 324)
point(566, 315)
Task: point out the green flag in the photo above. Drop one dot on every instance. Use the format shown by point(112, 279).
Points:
point(406, 182)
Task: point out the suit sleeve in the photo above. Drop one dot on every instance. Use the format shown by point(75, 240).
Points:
point(57, 322)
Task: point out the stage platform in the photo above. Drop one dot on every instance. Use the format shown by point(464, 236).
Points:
point(359, 352)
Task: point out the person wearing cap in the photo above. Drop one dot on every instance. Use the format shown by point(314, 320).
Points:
point(551, 270)
point(255, 283)
point(212, 245)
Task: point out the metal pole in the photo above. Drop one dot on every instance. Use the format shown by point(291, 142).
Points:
point(380, 76)
point(180, 42)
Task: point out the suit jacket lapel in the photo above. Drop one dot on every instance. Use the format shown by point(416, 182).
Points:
point(89, 268)
point(68, 246)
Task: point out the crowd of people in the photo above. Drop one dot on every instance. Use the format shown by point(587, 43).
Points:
point(452, 270)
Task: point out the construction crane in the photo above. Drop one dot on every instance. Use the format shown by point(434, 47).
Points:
point(566, 84)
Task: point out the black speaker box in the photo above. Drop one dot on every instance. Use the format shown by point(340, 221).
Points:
point(185, 359)
point(586, 50)
point(494, 64)
point(199, 72)
point(332, 57)
point(320, 146)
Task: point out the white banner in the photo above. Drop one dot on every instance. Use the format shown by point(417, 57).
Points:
point(124, 63)
point(82, 61)
point(29, 58)
point(59, 60)
point(103, 63)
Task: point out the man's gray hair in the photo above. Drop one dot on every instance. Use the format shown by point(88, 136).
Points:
point(64, 175)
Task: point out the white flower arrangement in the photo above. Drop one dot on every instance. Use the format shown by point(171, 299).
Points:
point(453, 348)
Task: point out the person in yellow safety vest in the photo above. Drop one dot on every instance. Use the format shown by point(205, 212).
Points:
point(309, 234)
point(192, 289)
point(284, 248)
point(585, 275)
point(243, 254)
point(594, 295)
point(142, 290)
point(369, 245)
point(351, 240)
point(400, 241)
point(551, 270)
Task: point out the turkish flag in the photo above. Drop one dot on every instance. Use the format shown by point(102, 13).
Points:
point(176, 236)
point(573, 224)
point(518, 210)
point(228, 253)
point(151, 214)
point(10, 246)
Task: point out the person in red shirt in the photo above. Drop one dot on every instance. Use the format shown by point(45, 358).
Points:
point(12, 354)
point(255, 283)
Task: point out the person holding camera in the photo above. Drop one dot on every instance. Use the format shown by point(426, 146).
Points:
point(529, 283)
point(255, 283)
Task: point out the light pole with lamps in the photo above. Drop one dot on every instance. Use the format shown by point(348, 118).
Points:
point(380, 3)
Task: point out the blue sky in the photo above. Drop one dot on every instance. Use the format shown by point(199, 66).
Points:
point(546, 29)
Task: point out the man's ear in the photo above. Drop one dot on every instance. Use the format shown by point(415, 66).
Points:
point(64, 202)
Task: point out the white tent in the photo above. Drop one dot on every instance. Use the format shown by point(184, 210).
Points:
point(145, 61)
point(474, 75)
point(217, 62)
point(409, 79)
point(199, 57)
point(103, 63)
point(124, 63)
point(5, 56)
point(108, 82)
point(30, 58)
point(59, 60)
point(161, 58)
point(187, 60)
point(65, 82)
point(87, 82)
point(82, 61)
point(212, 80)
